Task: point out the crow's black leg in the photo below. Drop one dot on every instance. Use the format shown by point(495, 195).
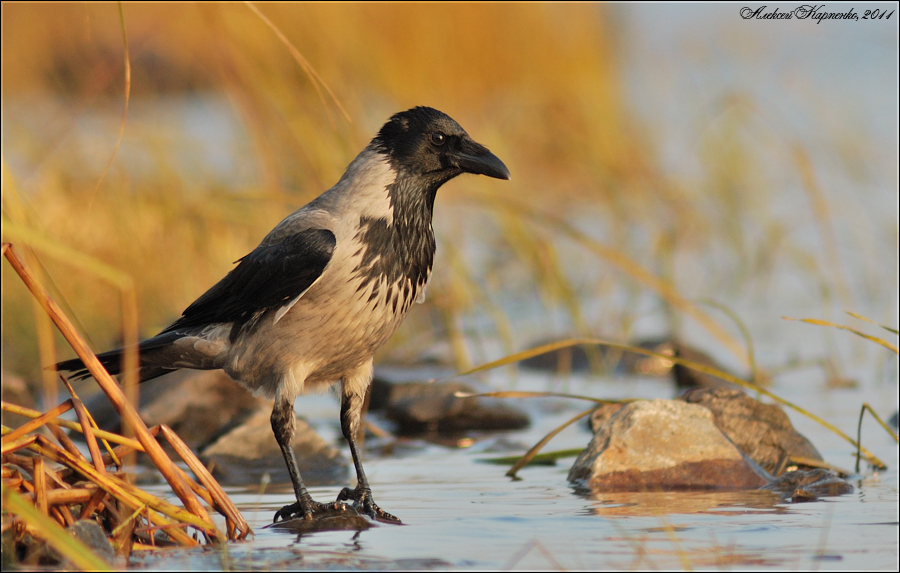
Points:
point(351, 408)
point(283, 423)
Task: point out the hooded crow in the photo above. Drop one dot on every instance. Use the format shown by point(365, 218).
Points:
point(325, 289)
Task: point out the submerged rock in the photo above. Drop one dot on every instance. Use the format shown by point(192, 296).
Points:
point(800, 486)
point(761, 431)
point(420, 407)
point(345, 517)
point(248, 451)
point(662, 445)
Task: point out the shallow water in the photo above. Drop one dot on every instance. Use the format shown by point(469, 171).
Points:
point(462, 513)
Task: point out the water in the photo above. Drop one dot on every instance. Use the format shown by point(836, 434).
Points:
point(461, 513)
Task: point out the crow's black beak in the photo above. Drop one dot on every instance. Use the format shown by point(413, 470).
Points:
point(475, 158)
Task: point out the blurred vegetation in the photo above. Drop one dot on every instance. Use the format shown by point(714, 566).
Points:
point(539, 84)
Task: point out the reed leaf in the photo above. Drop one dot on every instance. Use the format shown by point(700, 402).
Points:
point(547, 458)
point(887, 428)
point(525, 394)
point(529, 455)
point(859, 316)
point(874, 339)
point(127, 99)
point(748, 340)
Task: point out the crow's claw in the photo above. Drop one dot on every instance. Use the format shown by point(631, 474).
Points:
point(309, 510)
point(363, 503)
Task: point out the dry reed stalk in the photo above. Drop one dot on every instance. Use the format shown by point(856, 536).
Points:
point(317, 82)
point(81, 412)
point(109, 436)
point(211, 492)
point(222, 503)
point(54, 492)
point(114, 393)
point(123, 491)
point(874, 339)
point(37, 422)
point(64, 440)
point(40, 484)
point(93, 504)
point(18, 444)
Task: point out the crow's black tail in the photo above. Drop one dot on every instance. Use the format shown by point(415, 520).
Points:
point(112, 361)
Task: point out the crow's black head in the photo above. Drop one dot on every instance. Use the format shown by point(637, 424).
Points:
point(426, 144)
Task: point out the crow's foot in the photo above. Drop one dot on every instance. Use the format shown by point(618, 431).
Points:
point(363, 502)
point(309, 510)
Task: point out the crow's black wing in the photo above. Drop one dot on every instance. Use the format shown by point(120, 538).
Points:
point(265, 280)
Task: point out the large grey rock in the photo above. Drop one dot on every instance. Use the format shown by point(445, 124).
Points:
point(244, 454)
point(201, 405)
point(198, 405)
point(421, 407)
point(761, 431)
point(662, 445)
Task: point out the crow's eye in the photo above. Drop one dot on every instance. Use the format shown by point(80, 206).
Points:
point(438, 138)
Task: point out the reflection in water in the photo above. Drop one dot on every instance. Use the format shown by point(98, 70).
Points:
point(650, 503)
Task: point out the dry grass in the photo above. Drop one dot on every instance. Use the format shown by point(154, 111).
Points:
point(84, 488)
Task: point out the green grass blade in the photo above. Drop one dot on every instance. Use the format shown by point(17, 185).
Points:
point(547, 458)
point(861, 317)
